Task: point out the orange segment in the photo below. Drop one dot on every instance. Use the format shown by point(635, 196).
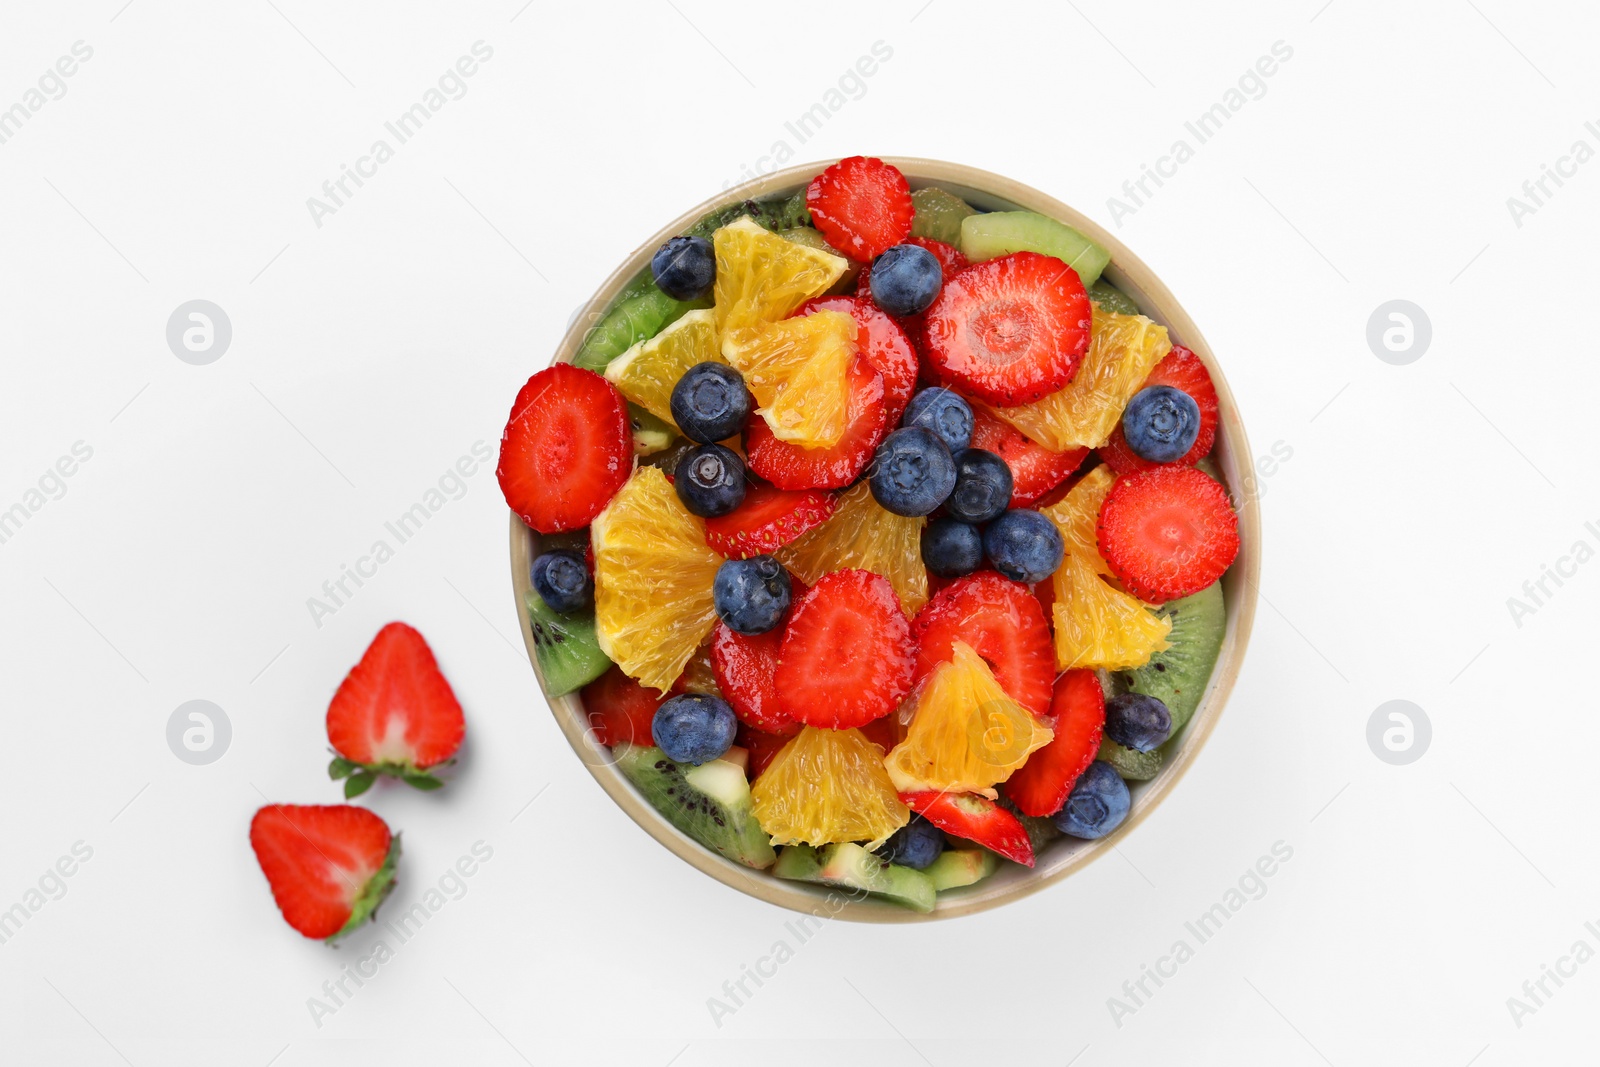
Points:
point(762, 278)
point(1097, 625)
point(827, 786)
point(646, 373)
point(862, 534)
point(797, 371)
point(1077, 515)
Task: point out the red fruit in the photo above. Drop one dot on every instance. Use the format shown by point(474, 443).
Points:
point(761, 746)
point(1035, 470)
point(329, 866)
point(1002, 622)
point(1180, 369)
point(886, 346)
point(1167, 532)
point(862, 206)
point(619, 709)
point(884, 732)
point(1009, 330)
point(745, 667)
point(1042, 784)
point(393, 714)
point(767, 520)
point(567, 448)
point(788, 466)
point(975, 818)
point(847, 654)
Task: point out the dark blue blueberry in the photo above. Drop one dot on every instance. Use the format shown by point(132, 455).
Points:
point(694, 728)
point(951, 548)
point(916, 844)
point(710, 402)
point(1137, 721)
point(905, 279)
point(983, 486)
point(942, 411)
point(751, 595)
point(912, 472)
point(1097, 804)
point(1023, 545)
point(684, 267)
point(563, 582)
point(1161, 423)
point(710, 480)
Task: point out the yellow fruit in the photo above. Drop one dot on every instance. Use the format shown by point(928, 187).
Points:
point(966, 733)
point(1122, 351)
point(652, 577)
point(826, 786)
point(812, 238)
point(1077, 515)
point(646, 373)
point(1097, 625)
point(797, 371)
point(761, 277)
point(860, 533)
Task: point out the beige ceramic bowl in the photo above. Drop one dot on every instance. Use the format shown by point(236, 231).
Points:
point(1065, 855)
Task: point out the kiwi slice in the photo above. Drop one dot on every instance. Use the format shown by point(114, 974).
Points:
point(1000, 233)
point(710, 803)
point(1041, 831)
point(850, 866)
point(1178, 676)
point(1112, 299)
point(569, 655)
point(650, 434)
point(938, 215)
point(957, 867)
point(1132, 766)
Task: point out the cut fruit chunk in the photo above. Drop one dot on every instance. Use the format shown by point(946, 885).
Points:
point(761, 277)
point(812, 237)
point(1077, 515)
point(1040, 831)
point(977, 819)
point(826, 786)
point(788, 466)
point(1035, 470)
point(650, 434)
point(849, 866)
point(1001, 621)
point(1168, 532)
point(710, 803)
point(745, 665)
point(883, 342)
point(1178, 674)
point(1130, 765)
point(797, 371)
point(565, 646)
point(761, 746)
point(1181, 369)
point(646, 373)
point(939, 215)
point(619, 709)
point(847, 656)
point(1109, 297)
point(862, 206)
point(767, 520)
point(566, 450)
point(1097, 625)
point(698, 675)
point(957, 867)
point(1045, 781)
point(998, 233)
point(863, 535)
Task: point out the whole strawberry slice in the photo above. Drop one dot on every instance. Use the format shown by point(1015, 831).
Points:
point(1035, 470)
point(567, 448)
point(1002, 622)
point(1183, 370)
point(329, 866)
point(862, 206)
point(1009, 330)
point(1043, 784)
point(788, 466)
point(847, 653)
point(767, 520)
point(746, 666)
point(975, 818)
point(393, 714)
point(1167, 532)
point(619, 709)
point(885, 344)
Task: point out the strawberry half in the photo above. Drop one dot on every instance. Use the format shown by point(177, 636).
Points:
point(393, 714)
point(746, 665)
point(329, 866)
point(619, 709)
point(846, 656)
point(886, 346)
point(1183, 370)
point(788, 466)
point(1035, 470)
point(975, 818)
point(567, 448)
point(1009, 330)
point(767, 520)
point(1167, 532)
point(1003, 623)
point(862, 206)
point(1043, 784)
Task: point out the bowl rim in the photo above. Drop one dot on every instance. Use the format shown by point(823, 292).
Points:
point(1064, 856)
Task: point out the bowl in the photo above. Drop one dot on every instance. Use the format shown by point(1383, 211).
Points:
point(1063, 856)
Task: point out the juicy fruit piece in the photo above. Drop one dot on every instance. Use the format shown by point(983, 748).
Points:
point(882, 341)
point(761, 278)
point(997, 233)
point(648, 372)
point(1180, 369)
point(983, 486)
point(653, 575)
point(945, 413)
point(1137, 721)
point(912, 472)
point(767, 520)
point(1077, 515)
point(760, 748)
point(710, 803)
point(710, 402)
point(1160, 424)
point(1097, 625)
point(1098, 804)
point(957, 867)
point(1035, 469)
point(744, 668)
point(619, 709)
point(566, 450)
point(797, 371)
point(1023, 545)
point(562, 579)
point(916, 844)
point(752, 595)
point(698, 675)
point(1130, 765)
point(1178, 674)
point(862, 206)
point(827, 786)
point(709, 480)
point(1011, 330)
point(329, 866)
point(846, 656)
point(1041, 831)
point(997, 619)
point(976, 819)
point(788, 466)
point(1045, 781)
point(694, 728)
point(684, 267)
point(633, 318)
point(864, 536)
point(905, 279)
point(938, 214)
point(951, 548)
point(849, 866)
point(566, 647)
point(1109, 297)
point(1168, 532)
point(650, 434)
point(1122, 350)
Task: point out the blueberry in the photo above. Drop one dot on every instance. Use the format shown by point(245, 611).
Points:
point(1161, 423)
point(710, 480)
point(1097, 804)
point(916, 844)
point(912, 472)
point(710, 402)
point(951, 548)
point(1023, 545)
point(684, 267)
point(905, 279)
point(1137, 721)
point(942, 411)
point(694, 728)
point(563, 582)
point(751, 595)
point(983, 486)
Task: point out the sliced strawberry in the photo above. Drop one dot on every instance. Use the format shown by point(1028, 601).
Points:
point(847, 654)
point(567, 448)
point(619, 709)
point(1002, 622)
point(883, 342)
point(975, 818)
point(329, 866)
point(788, 466)
point(393, 714)
point(862, 206)
point(761, 746)
point(1180, 369)
point(767, 520)
point(1043, 784)
point(1009, 330)
point(1167, 532)
point(1035, 470)
point(746, 666)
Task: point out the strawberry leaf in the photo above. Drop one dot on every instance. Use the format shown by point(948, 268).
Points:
point(358, 783)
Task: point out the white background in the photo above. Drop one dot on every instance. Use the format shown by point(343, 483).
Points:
point(372, 352)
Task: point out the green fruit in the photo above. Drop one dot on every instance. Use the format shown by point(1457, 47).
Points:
point(957, 867)
point(565, 646)
point(710, 803)
point(938, 215)
point(1178, 676)
point(650, 434)
point(778, 214)
point(1132, 766)
point(1112, 299)
point(849, 866)
point(1041, 831)
point(1000, 233)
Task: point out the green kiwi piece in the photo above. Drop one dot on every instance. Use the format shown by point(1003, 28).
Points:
point(1112, 299)
point(568, 653)
point(849, 866)
point(938, 215)
point(1178, 676)
point(650, 434)
point(710, 803)
point(1041, 831)
point(957, 867)
point(1133, 766)
point(999, 233)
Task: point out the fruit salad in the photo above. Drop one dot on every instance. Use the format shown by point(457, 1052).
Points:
point(878, 535)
